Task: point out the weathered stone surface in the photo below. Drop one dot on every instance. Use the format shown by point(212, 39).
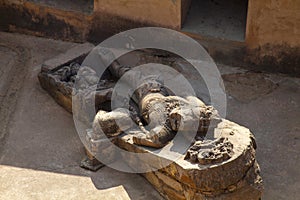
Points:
point(61, 90)
point(57, 90)
point(210, 152)
point(153, 179)
point(169, 181)
point(171, 194)
point(153, 105)
point(229, 178)
point(58, 75)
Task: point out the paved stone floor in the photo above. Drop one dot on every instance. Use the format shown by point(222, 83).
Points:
point(40, 150)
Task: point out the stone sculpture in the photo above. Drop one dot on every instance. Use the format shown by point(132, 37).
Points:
point(152, 105)
point(222, 167)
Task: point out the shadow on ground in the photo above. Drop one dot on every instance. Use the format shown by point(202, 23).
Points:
point(38, 138)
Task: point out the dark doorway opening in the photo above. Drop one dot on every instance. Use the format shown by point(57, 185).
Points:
point(225, 19)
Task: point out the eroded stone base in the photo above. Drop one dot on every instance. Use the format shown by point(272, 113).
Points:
point(236, 178)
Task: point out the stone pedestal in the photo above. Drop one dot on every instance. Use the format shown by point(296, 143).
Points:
point(235, 178)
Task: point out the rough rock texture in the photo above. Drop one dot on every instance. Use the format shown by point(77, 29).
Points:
point(235, 178)
point(50, 77)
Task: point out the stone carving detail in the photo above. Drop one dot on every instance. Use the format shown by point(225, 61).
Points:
point(152, 105)
point(68, 73)
point(210, 152)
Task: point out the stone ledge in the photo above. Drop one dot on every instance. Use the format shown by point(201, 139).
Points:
point(77, 53)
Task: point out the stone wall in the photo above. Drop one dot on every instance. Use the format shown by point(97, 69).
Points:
point(273, 22)
point(45, 21)
point(114, 16)
point(272, 35)
point(164, 13)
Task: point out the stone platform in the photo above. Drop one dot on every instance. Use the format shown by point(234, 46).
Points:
point(234, 178)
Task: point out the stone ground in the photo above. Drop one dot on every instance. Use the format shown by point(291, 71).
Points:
point(40, 150)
